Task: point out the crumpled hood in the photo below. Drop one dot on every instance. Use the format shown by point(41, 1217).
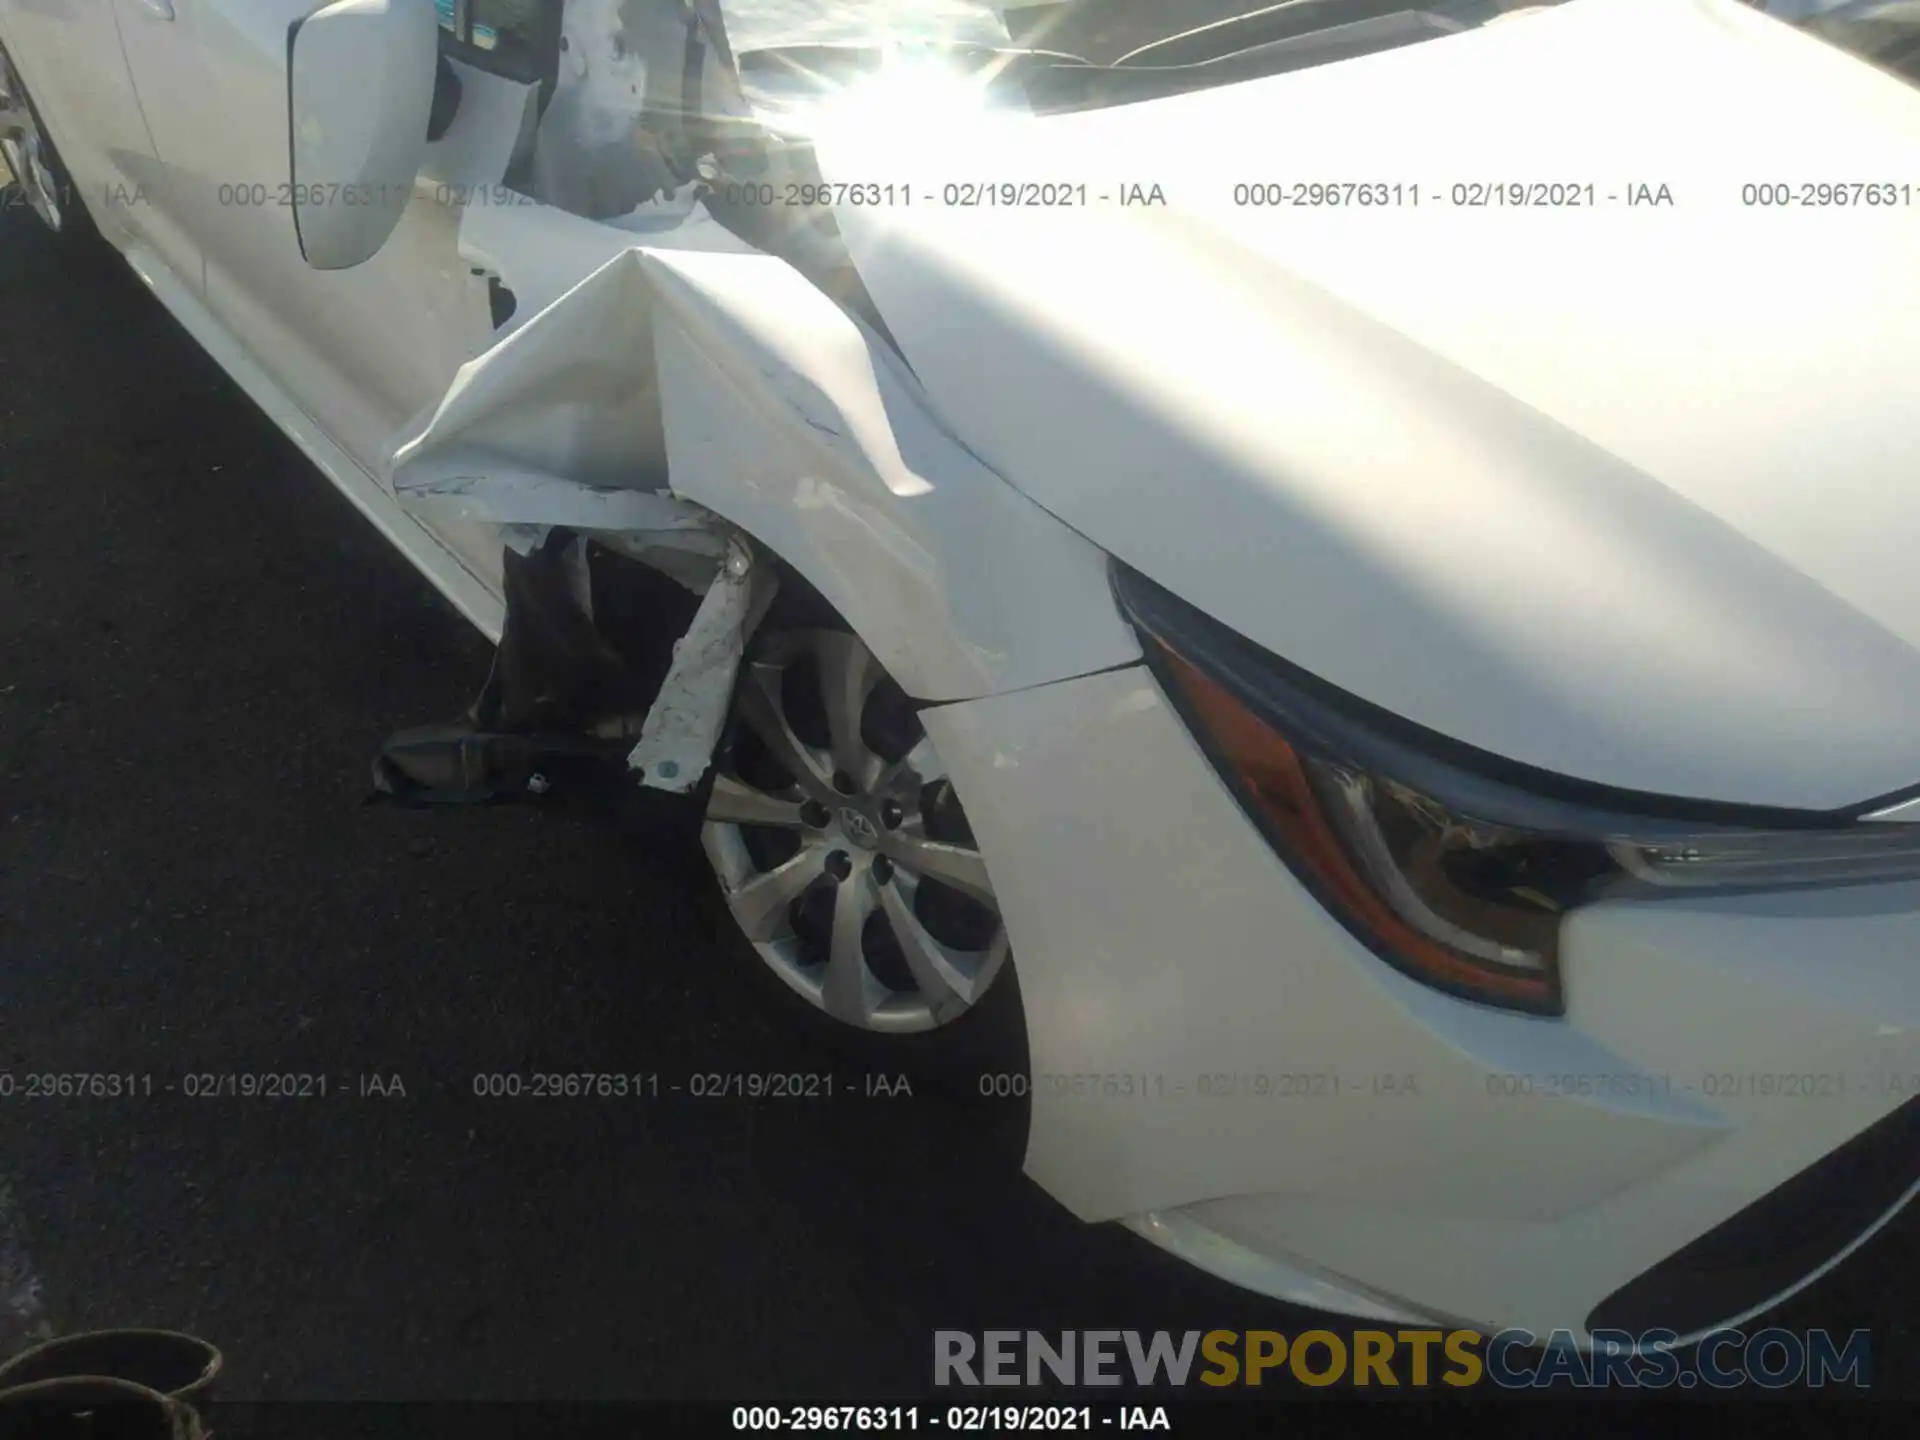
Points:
point(1628, 492)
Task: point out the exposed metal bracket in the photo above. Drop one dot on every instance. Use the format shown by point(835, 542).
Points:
point(678, 737)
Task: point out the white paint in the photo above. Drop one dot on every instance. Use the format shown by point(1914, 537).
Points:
point(1190, 951)
point(474, 596)
point(1620, 493)
point(570, 393)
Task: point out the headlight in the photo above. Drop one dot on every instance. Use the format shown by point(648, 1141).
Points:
point(1451, 864)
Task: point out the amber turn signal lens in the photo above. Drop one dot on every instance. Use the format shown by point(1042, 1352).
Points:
point(1275, 787)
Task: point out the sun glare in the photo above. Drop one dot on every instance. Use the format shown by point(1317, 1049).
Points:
point(912, 104)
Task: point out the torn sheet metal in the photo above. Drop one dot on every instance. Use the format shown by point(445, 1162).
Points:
point(792, 420)
point(678, 738)
point(460, 487)
point(795, 422)
point(558, 425)
point(571, 392)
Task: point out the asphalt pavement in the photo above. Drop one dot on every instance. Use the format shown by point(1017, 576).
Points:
point(201, 646)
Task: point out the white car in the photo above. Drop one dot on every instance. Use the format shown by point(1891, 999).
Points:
point(1397, 525)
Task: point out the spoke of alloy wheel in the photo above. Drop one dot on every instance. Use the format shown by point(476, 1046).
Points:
point(734, 802)
point(848, 673)
point(761, 707)
point(761, 904)
point(960, 866)
point(850, 991)
point(946, 977)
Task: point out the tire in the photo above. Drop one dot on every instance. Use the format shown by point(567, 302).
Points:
point(40, 176)
point(848, 877)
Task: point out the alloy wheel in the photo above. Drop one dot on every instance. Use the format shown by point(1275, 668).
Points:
point(26, 149)
point(840, 846)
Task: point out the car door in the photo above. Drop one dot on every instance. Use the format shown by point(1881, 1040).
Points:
point(69, 54)
point(362, 350)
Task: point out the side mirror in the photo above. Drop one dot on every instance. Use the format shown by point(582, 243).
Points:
point(360, 81)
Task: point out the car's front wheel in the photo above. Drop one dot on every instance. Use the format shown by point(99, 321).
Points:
point(848, 864)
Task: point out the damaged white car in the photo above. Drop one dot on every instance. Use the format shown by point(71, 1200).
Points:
point(1362, 551)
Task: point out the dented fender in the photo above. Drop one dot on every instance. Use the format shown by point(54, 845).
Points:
point(668, 384)
point(793, 420)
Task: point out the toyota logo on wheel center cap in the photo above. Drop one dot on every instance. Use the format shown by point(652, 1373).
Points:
point(859, 828)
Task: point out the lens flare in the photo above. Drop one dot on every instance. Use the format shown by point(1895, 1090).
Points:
point(908, 104)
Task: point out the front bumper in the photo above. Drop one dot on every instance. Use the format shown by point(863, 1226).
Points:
point(1216, 1060)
